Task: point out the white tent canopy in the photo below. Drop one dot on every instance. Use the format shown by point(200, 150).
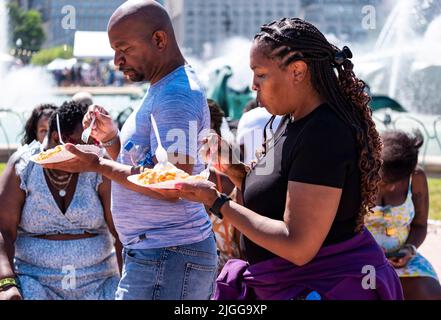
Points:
point(61, 64)
point(92, 44)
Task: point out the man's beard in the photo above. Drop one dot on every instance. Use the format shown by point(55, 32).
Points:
point(134, 76)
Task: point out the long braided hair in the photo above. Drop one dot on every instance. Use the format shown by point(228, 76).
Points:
point(332, 76)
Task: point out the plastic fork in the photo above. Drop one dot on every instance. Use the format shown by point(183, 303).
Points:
point(88, 131)
point(59, 130)
point(160, 153)
point(206, 172)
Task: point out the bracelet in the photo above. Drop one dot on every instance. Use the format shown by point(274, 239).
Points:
point(7, 283)
point(112, 141)
point(412, 248)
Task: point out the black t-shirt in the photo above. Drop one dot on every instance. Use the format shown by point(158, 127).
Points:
point(318, 149)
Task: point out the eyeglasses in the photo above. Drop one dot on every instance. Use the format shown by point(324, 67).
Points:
point(275, 136)
point(261, 152)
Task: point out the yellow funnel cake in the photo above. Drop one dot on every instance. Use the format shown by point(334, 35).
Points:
point(49, 153)
point(151, 176)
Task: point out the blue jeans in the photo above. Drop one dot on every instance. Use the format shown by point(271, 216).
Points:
point(176, 273)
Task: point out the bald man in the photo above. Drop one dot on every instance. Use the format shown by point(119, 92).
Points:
point(170, 251)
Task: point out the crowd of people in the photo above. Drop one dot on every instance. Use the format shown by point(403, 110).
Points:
point(96, 73)
point(308, 197)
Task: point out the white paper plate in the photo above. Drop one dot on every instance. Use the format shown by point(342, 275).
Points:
point(166, 185)
point(65, 155)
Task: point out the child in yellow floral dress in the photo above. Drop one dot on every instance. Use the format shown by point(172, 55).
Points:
point(399, 222)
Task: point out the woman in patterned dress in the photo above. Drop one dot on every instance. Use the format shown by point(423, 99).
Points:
point(399, 222)
point(54, 236)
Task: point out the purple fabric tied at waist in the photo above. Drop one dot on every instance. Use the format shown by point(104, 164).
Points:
point(338, 272)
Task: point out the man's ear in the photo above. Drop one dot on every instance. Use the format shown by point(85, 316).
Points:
point(160, 39)
point(298, 70)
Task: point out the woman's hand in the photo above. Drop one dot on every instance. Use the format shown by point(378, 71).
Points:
point(104, 129)
point(11, 294)
point(398, 263)
point(198, 191)
point(83, 161)
point(220, 152)
point(223, 159)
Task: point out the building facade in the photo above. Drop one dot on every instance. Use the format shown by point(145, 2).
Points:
point(346, 19)
point(198, 22)
point(58, 17)
point(201, 22)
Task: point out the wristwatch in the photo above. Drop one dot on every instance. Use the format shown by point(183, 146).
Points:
point(112, 141)
point(217, 205)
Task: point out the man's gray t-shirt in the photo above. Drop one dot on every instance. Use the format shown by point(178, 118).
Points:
point(179, 106)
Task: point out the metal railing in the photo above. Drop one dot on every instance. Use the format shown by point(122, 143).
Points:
point(5, 133)
point(11, 141)
point(430, 128)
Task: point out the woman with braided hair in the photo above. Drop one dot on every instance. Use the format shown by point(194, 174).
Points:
point(305, 200)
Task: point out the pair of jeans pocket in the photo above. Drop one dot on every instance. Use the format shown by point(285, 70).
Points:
point(193, 253)
point(135, 256)
point(196, 277)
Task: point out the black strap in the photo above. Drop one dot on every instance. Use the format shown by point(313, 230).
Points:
point(217, 205)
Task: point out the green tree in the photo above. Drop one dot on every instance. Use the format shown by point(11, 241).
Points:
point(46, 56)
point(26, 26)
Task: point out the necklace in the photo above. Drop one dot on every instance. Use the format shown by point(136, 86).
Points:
point(57, 183)
point(269, 143)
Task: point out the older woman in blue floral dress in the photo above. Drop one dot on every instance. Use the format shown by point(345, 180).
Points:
point(54, 226)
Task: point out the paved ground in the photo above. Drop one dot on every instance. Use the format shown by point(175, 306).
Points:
point(431, 248)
